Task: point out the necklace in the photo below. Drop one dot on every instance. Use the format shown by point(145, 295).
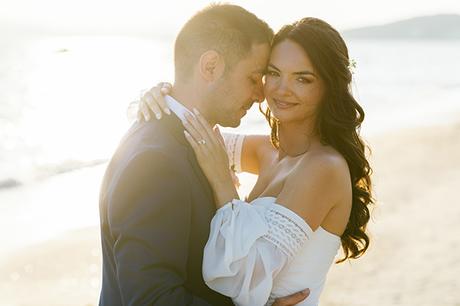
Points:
point(297, 154)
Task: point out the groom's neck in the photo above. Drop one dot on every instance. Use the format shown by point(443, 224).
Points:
point(190, 97)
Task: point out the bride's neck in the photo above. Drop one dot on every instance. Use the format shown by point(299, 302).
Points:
point(295, 139)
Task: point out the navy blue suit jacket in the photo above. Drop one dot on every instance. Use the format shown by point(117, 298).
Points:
point(156, 206)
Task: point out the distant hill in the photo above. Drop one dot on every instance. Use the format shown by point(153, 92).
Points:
point(437, 27)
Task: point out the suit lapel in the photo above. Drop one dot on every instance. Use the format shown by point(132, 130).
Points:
point(174, 125)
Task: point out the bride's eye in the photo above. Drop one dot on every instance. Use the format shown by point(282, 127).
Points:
point(271, 73)
point(304, 80)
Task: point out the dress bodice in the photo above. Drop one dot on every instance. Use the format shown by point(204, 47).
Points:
point(260, 251)
point(309, 267)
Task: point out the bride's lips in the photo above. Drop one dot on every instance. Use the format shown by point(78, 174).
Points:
point(283, 104)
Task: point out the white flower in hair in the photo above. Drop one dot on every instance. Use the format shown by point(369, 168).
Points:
point(352, 65)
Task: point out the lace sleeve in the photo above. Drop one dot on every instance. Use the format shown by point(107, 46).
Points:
point(234, 146)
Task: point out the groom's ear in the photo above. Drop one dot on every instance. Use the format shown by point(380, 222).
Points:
point(211, 65)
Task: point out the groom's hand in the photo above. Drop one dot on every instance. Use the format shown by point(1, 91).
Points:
point(292, 299)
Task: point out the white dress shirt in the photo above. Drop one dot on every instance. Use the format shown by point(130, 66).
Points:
point(177, 108)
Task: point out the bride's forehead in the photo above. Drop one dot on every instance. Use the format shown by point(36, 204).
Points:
point(288, 49)
point(290, 56)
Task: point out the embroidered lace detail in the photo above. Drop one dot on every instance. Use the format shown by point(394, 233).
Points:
point(284, 232)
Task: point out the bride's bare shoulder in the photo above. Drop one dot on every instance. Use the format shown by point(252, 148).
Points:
point(325, 156)
point(323, 165)
point(319, 182)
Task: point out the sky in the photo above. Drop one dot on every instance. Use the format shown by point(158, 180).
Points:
point(167, 16)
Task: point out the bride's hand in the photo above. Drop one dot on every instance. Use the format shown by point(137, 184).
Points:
point(152, 101)
point(211, 155)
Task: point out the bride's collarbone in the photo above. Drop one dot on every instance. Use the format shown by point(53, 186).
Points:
point(272, 177)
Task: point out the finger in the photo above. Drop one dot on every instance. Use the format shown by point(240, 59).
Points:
point(151, 104)
point(196, 129)
point(292, 299)
point(219, 135)
point(204, 125)
point(199, 149)
point(158, 99)
point(191, 140)
point(145, 113)
point(192, 131)
point(164, 91)
point(205, 145)
point(165, 88)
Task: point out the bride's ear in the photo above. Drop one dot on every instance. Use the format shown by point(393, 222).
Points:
point(211, 65)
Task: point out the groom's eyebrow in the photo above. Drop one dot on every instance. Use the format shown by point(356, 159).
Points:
point(304, 72)
point(273, 67)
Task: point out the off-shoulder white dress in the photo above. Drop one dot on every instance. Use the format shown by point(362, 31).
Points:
point(259, 251)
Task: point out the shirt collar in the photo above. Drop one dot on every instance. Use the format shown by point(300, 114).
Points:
point(176, 107)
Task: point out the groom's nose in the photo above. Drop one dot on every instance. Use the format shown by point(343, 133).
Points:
point(258, 95)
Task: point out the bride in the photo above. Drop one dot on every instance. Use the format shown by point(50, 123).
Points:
point(313, 187)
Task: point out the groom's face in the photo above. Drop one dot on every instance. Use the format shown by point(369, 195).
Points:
point(240, 87)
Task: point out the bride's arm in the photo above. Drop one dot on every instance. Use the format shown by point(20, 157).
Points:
point(246, 153)
point(256, 150)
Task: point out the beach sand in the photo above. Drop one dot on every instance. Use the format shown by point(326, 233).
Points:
point(413, 259)
point(415, 252)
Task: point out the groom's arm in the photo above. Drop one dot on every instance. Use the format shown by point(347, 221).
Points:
point(150, 221)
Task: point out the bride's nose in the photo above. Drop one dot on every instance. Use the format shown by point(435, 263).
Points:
point(283, 87)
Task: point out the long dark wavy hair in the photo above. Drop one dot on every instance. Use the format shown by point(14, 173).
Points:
point(338, 121)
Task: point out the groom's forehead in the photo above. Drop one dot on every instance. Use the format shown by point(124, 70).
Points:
point(257, 59)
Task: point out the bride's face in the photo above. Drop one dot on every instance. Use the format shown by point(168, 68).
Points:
point(293, 88)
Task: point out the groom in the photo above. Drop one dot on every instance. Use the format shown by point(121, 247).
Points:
point(156, 205)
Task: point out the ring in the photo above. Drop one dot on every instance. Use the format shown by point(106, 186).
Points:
point(202, 142)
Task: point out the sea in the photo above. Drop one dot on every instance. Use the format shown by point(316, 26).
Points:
point(64, 107)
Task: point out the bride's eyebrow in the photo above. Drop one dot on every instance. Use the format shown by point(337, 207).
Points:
point(303, 72)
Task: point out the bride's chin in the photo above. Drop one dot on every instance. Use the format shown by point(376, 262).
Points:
point(281, 117)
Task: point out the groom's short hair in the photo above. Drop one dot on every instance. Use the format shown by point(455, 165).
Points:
point(228, 29)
